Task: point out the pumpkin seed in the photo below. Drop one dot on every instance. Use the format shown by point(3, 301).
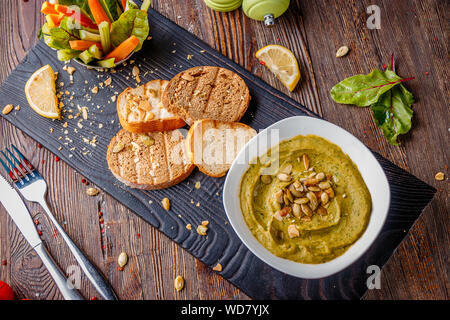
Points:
point(301, 201)
point(266, 179)
point(320, 176)
point(279, 196)
point(285, 211)
point(314, 189)
point(306, 209)
point(294, 191)
point(118, 147)
point(179, 283)
point(324, 185)
point(342, 51)
point(289, 195)
point(283, 177)
point(296, 210)
point(330, 192)
point(311, 182)
point(324, 198)
point(122, 259)
point(148, 141)
point(7, 109)
point(305, 161)
point(312, 200)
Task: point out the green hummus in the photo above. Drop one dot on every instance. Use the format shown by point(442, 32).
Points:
point(338, 218)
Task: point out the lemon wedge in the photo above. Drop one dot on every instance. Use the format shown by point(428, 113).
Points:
point(282, 62)
point(40, 91)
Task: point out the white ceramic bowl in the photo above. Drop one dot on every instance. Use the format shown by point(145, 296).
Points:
point(370, 169)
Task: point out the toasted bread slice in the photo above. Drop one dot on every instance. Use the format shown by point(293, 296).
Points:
point(213, 145)
point(207, 93)
point(149, 161)
point(140, 109)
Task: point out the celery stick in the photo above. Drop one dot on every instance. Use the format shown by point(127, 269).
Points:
point(95, 52)
point(89, 36)
point(86, 56)
point(108, 63)
point(105, 36)
point(145, 5)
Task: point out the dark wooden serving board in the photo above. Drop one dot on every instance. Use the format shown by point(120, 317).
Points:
point(161, 58)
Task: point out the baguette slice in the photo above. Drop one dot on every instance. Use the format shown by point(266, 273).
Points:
point(149, 161)
point(140, 109)
point(207, 93)
point(213, 145)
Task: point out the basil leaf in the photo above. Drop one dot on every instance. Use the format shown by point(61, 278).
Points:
point(364, 90)
point(131, 22)
point(393, 113)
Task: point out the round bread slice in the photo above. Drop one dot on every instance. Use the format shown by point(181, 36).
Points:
point(207, 93)
point(213, 145)
point(149, 161)
point(140, 109)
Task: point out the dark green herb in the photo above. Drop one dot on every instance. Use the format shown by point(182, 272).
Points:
point(384, 92)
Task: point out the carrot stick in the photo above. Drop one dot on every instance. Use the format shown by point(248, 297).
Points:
point(48, 8)
point(124, 4)
point(82, 45)
point(98, 12)
point(124, 49)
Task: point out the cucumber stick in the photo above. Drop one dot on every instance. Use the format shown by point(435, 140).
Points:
point(105, 37)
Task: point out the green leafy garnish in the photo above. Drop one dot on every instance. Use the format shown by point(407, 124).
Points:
point(388, 99)
point(393, 113)
point(131, 22)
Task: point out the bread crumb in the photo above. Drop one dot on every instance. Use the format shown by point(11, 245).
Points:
point(198, 185)
point(166, 204)
point(439, 176)
point(94, 90)
point(189, 226)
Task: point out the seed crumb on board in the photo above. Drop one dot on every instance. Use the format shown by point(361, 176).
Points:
point(166, 204)
point(7, 109)
point(439, 176)
point(201, 230)
point(179, 283)
point(189, 226)
point(218, 267)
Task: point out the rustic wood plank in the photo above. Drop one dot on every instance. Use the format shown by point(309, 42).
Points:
point(197, 18)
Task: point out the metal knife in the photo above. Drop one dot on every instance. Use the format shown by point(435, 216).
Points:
point(17, 210)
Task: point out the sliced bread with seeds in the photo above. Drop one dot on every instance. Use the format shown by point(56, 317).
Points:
point(207, 93)
point(213, 145)
point(149, 161)
point(140, 109)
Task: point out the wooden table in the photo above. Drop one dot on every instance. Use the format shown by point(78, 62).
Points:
point(416, 31)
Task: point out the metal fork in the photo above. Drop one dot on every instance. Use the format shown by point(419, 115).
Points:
point(34, 188)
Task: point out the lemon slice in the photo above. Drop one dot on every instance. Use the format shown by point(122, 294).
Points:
point(282, 62)
point(40, 91)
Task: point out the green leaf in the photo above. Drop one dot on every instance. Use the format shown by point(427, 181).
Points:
point(112, 9)
point(131, 22)
point(67, 54)
point(364, 90)
point(69, 25)
point(393, 113)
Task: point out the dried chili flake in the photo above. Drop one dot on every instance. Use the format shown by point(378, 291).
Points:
point(39, 145)
point(83, 181)
point(4, 262)
point(427, 73)
point(262, 63)
point(138, 235)
point(36, 221)
point(94, 298)
point(40, 232)
point(57, 159)
point(43, 161)
point(119, 268)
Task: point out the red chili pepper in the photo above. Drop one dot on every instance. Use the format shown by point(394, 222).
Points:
point(94, 298)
